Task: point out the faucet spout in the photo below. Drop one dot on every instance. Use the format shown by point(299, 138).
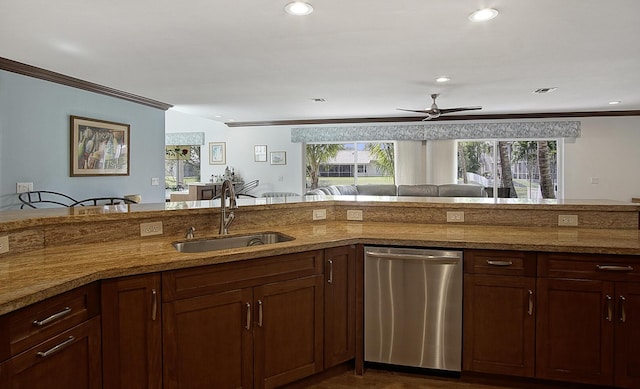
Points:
point(227, 190)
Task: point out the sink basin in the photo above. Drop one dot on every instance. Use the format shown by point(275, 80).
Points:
point(230, 242)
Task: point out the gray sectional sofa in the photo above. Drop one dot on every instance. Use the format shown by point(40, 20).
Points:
point(424, 190)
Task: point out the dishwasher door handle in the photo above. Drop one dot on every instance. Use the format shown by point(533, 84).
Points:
point(431, 259)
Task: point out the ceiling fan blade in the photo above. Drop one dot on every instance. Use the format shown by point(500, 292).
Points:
point(449, 110)
point(422, 111)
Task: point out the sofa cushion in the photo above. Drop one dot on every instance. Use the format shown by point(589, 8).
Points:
point(425, 190)
point(347, 189)
point(333, 190)
point(461, 190)
point(377, 190)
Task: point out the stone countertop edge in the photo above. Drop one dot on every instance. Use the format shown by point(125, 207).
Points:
point(30, 277)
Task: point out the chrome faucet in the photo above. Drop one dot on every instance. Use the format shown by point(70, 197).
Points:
point(225, 221)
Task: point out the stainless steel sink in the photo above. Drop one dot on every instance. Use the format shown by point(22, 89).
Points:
point(230, 242)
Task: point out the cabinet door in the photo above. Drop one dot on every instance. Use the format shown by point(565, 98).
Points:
point(499, 324)
point(132, 332)
point(288, 333)
point(627, 360)
point(574, 339)
point(70, 360)
point(339, 305)
point(207, 341)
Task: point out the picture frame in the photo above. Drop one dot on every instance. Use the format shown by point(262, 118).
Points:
point(278, 157)
point(217, 153)
point(99, 147)
point(260, 153)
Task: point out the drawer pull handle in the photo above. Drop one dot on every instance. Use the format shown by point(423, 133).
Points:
point(614, 268)
point(499, 263)
point(154, 304)
point(52, 318)
point(530, 308)
point(609, 316)
point(248, 325)
point(330, 280)
point(55, 349)
point(259, 313)
point(623, 313)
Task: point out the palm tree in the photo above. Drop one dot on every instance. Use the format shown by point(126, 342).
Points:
point(318, 154)
point(505, 168)
point(383, 155)
point(546, 182)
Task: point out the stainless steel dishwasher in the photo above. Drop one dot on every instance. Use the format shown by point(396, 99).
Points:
point(413, 307)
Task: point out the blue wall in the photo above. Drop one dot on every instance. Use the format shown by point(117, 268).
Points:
point(35, 141)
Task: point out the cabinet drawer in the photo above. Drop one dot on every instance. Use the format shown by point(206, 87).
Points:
point(589, 266)
point(178, 284)
point(515, 263)
point(31, 325)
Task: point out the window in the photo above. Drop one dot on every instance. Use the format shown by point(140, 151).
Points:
point(518, 169)
point(181, 166)
point(350, 163)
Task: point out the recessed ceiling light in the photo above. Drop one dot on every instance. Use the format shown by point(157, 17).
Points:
point(298, 8)
point(482, 15)
point(614, 102)
point(443, 79)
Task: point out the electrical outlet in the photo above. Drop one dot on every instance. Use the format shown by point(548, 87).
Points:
point(455, 217)
point(319, 214)
point(153, 228)
point(567, 220)
point(354, 214)
point(4, 244)
point(155, 181)
point(22, 187)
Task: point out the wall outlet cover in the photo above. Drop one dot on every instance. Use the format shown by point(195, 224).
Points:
point(354, 214)
point(319, 214)
point(153, 228)
point(4, 244)
point(455, 217)
point(568, 220)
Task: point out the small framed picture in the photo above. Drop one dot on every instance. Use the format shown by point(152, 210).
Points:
point(278, 157)
point(217, 153)
point(99, 148)
point(260, 153)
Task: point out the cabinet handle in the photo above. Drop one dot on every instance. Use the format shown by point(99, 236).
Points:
point(55, 349)
point(530, 309)
point(53, 317)
point(499, 263)
point(609, 308)
point(248, 326)
point(259, 313)
point(330, 280)
point(623, 313)
point(154, 304)
point(614, 268)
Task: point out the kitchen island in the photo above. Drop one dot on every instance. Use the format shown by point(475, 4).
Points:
point(55, 252)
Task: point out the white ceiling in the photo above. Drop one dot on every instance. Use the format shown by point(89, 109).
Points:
point(246, 60)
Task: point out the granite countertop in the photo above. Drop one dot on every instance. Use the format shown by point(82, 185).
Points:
point(30, 277)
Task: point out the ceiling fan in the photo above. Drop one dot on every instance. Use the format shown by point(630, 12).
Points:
point(435, 112)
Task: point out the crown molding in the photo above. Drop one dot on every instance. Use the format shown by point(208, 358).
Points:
point(47, 75)
point(405, 119)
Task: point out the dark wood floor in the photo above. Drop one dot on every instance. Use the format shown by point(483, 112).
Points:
point(380, 379)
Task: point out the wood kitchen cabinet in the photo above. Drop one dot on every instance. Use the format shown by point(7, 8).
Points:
point(588, 325)
point(339, 305)
point(499, 312)
point(250, 324)
point(132, 332)
point(54, 343)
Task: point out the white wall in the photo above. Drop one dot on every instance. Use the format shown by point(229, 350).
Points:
point(239, 145)
point(608, 150)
